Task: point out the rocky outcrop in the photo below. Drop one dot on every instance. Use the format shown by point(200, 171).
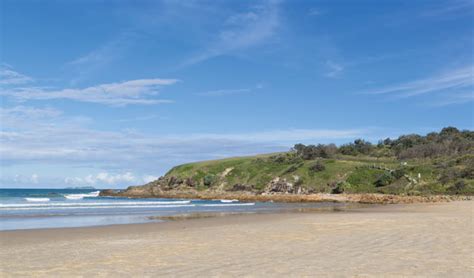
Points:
point(279, 185)
point(287, 189)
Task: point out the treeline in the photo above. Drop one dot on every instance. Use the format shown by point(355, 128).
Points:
point(449, 141)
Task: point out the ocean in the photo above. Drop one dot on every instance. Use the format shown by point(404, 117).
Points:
point(60, 208)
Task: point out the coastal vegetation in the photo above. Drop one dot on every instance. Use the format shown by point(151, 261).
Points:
point(437, 163)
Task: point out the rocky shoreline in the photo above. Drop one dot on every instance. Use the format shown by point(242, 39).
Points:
point(277, 190)
point(365, 198)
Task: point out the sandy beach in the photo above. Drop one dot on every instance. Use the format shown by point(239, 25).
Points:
point(416, 240)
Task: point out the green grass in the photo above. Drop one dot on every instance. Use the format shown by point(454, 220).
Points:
point(356, 173)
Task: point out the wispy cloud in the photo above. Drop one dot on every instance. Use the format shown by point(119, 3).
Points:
point(102, 56)
point(230, 92)
point(315, 12)
point(58, 143)
point(110, 179)
point(24, 179)
point(224, 92)
point(451, 99)
point(104, 53)
point(105, 178)
point(140, 91)
point(334, 69)
point(450, 8)
point(242, 31)
point(24, 116)
point(45, 136)
point(460, 79)
point(10, 77)
point(140, 118)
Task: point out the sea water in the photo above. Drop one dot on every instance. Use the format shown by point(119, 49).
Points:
point(54, 208)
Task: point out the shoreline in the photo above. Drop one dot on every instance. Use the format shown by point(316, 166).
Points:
point(363, 198)
point(431, 239)
point(328, 207)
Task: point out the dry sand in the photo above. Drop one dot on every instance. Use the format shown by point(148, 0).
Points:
point(422, 240)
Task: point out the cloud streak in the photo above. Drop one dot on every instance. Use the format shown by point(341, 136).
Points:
point(461, 79)
point(224, 92)
point(140, 91)
point(76, 146)
point(10, 77)
point(450, 8)
point(334, 69)
point(242, 31)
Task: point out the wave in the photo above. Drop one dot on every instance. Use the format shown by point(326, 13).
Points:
point(118, 204)
point(102, 207)
point(37, 199)
point(229, 201)
point(95, 205)
point(81, 196)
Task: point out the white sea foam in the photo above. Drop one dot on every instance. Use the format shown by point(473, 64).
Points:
point(81, 196)
point(229, 201)
point(37, 199)
point(93, 204)
point(101, 207)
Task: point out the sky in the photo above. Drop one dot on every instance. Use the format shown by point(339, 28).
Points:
point(115, 93)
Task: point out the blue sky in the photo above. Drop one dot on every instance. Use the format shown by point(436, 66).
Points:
point(114, 93)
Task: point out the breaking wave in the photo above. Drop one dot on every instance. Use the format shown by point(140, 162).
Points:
point(101, 207)
point(229, 201)
point(81, 196)
point(37, 199)
point(96, 204)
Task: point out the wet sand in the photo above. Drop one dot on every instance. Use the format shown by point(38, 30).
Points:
point(417, 240)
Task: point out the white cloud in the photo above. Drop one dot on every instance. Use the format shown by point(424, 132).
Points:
point(315, 12)
point(106, 52)
point(28, 113)
point(95, 60)
point(224, 92)
point(10, 77)
point(140, 91)
point(460, 79)
point(451, 99)
point(52, 138)
point(70, 143)
point(25, 179)
point(34, 178)
point(149, 178)
point(229, 92)
point(242, 31)
point(449, 8)
point(105, 178)
point(78, 146)
point(334, 69)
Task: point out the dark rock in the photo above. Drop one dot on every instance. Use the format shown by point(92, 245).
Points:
point(241, 187)
point(108, 192)
point(190, 182)
point(173, 181)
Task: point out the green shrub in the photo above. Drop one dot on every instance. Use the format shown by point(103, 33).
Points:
point(317, 167)
point(458, 188)
point(340, 187)
point(399, 173)
point(208, 180)
point(384, 179)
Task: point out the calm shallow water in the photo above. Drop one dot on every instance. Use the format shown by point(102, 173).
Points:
point(54, 208)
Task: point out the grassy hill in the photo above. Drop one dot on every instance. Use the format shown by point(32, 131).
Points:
point(437, 163)
point(342, 173)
